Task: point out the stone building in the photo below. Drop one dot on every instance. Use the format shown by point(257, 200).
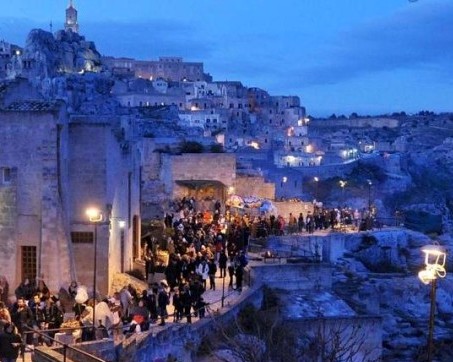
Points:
point(6, 52)
point(33, 236)
point(104, 172)
point(168, 68)
point(54, 165)
point(205, 176)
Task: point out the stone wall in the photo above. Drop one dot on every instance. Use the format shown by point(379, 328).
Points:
point(33, 215)
point(300, 276)
point(104, 173)
point(219, 167)
point(8, 232)
point(254, 186)
point(120, 280)
point(329, 170)
point(173, 70)
point(104, 349)
point(284, 208)
point(355, 122)
point(183, 340)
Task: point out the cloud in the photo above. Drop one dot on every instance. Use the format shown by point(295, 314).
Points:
point(416, 37)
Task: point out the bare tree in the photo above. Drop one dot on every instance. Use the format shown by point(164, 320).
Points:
point(339, 340)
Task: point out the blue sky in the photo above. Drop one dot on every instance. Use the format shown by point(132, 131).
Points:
point(338, 56)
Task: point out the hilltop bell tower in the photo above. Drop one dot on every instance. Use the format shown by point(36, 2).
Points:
point(71, 18)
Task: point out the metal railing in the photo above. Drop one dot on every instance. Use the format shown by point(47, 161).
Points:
point(72, 350)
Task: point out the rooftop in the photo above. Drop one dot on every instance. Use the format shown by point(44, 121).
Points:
point(302, 304)
point(32, 106)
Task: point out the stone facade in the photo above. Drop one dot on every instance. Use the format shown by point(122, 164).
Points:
point(374, 122)
point(32, 220)
point(218, 167)
point(254, 186)
point(169, 68)
point(105, 174)
point(308, 276)
point(53, 167)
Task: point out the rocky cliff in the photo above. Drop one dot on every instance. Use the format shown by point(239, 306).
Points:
point(46, 55)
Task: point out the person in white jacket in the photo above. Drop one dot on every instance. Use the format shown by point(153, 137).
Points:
point(203, 271)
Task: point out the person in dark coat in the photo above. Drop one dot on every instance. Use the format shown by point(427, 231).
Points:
point(25, 290)
point(10, 342)
point(186, 301)
point(53, 315)
point(179, 307)
point(200, 307)
point(212, 270)
point(72, 289)
point(231, 271)
point(162, 302)
point(22, 317)
point(223, 264)
point(150, 265)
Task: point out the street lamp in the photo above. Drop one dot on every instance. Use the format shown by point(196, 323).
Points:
point(122, 225)
point(342, 185)
point(435, 257)
point(95, 216)
point(316, 179)
point(369, 197)
point(223, 288)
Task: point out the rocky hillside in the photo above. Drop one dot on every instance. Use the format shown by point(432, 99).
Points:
point(379, 275)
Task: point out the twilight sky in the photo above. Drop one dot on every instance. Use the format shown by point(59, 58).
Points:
point(338, 56)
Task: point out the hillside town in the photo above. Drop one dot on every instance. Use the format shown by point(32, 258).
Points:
point(146, 185)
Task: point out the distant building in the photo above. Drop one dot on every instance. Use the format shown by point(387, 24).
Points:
point(168, 68)
point(210, 120)
point(5, 57)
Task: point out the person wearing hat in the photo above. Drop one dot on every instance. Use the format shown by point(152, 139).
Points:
point(10, 342)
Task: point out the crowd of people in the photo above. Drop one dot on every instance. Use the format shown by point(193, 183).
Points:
point(34, 309)
point(204, 245)
point(201, 246)
point(320, 219)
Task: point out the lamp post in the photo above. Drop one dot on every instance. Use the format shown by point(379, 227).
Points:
point(369, 197)
point(223, 289)
point(316, 180)
point(342, 185)
point(122, 225)
point(95, 216)
point(435, 257)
